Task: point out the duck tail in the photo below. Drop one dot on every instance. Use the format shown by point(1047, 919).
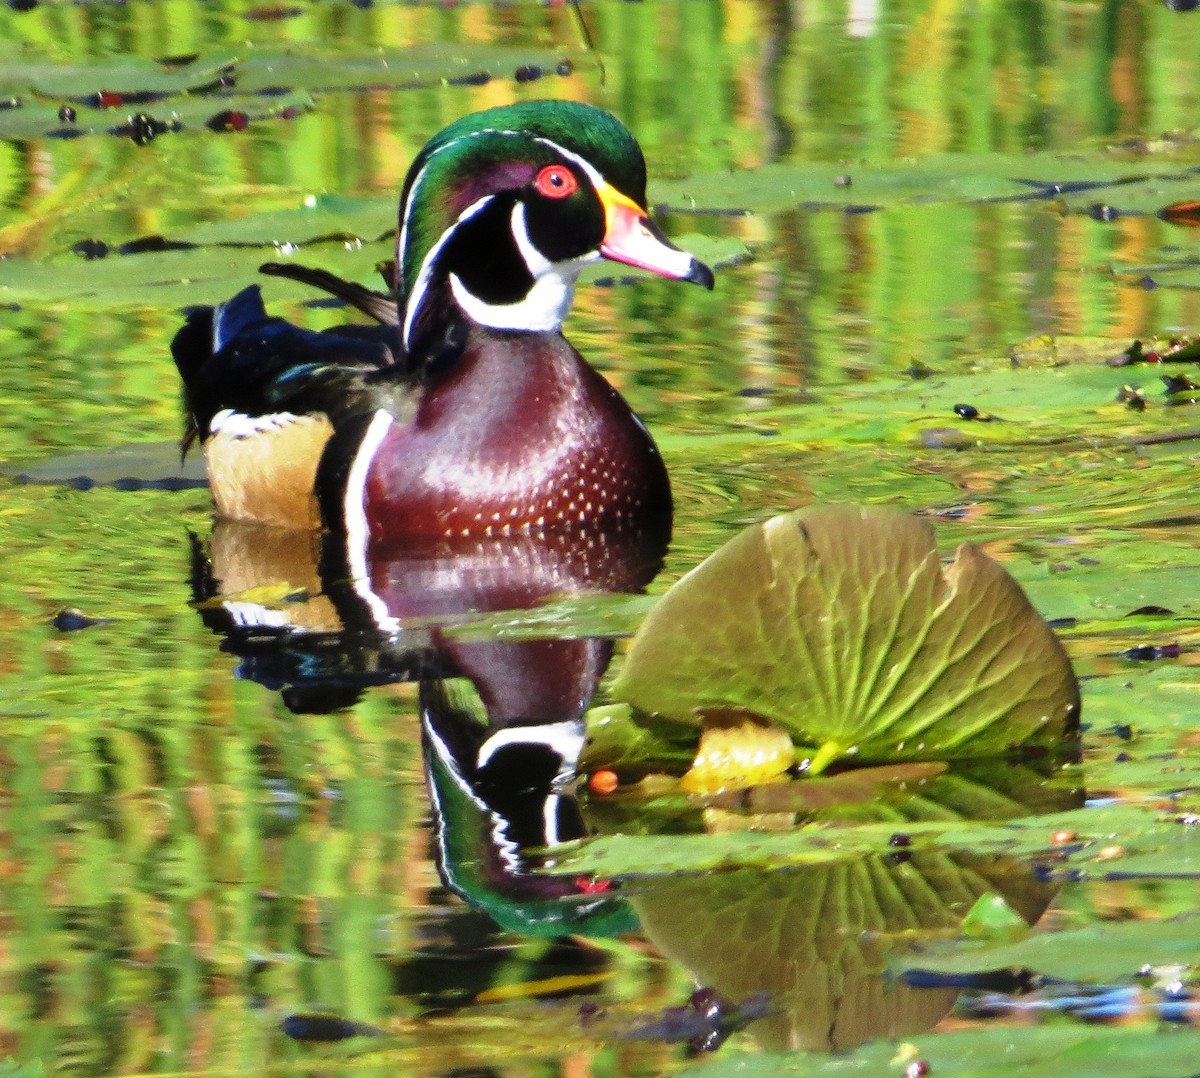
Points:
point(377, 305)
point(209, 329)
point(191, 349)
point(243, 312)
point(205, 331)
point(192, 346)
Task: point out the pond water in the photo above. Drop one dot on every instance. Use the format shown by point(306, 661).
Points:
point(912, 207)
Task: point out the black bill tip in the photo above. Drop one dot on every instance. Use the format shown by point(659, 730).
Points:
point(700, 274)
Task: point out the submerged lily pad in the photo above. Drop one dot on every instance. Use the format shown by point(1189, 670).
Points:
point(838, 624)
point(988, 1052)
point(1093, 952)
point(132, 467)
point(816, 940)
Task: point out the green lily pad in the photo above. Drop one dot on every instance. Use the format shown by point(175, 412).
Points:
point(929, 179)
point(838, 624)
point(120, 75)
point(212, 274)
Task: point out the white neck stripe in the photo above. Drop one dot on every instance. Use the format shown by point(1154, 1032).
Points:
point(413, 303)
point(357, 531)
point(402, 245)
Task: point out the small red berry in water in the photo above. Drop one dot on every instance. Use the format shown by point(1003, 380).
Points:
point(916, 1069)
point(603, 782)
point(106, 99)
point(227, 120)
point(1152, 357)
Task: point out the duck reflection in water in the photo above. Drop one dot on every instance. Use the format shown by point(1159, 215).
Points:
point(502, 721)
point(802, 954)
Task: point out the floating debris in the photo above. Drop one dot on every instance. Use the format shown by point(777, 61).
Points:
point(1132, 397)
point(90, 249)
point(228, 120)
point(325, 1028)
point(70, 619)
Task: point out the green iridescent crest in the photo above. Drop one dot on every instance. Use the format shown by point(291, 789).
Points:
point(501, 149)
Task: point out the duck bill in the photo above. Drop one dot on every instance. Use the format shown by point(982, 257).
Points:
point(632, 238)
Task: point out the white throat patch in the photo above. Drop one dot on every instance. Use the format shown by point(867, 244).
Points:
point(547, 302)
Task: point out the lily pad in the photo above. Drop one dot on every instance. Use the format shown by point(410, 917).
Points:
point(930, 179)
point(838, 624)
point(210, 274)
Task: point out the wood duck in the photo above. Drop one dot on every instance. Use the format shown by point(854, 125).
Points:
point(462, 412)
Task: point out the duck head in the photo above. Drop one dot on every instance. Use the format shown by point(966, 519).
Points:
point(502, 210)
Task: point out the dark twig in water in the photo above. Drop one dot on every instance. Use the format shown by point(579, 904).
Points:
point(1080, 441)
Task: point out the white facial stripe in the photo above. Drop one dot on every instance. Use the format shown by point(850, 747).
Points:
point(357, 531)
point(588, 168)
point(550, 819)
point(536, 262)
point(402, 245)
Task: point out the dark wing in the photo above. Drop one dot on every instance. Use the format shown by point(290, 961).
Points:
point(236, 357)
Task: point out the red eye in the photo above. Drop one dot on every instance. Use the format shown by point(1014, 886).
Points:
point(556, 181)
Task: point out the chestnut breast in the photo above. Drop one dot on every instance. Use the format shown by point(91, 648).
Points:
point(520, 435)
